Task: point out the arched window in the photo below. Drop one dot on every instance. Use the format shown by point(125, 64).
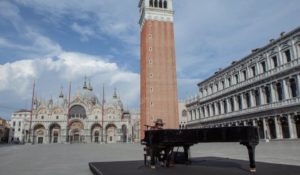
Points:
point(279, 91)
point(165, 4)
point(155, 3)
point(248, 101)
point(257, 97)
point(184, 113)
point(160, 4)
point(239, 98)
point(225, 106)
point(151, 3)
point(293, 87)
point(77, 111)
point(219, 107)
point(231, 104)
point(268, 94)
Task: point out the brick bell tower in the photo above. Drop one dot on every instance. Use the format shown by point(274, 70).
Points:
point(158, 64)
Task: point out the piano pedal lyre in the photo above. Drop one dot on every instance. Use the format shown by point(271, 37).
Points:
point(253, 170)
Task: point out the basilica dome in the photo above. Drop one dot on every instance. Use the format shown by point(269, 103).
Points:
point(88, 94)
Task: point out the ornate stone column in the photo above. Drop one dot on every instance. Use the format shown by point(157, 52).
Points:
point(280, 57)
point(292, 126)
point(222, 107)
point(273, 92)
point(205, 111)
point(217, 108)
point(262, 95)
point(266, 129)
point(210, 110)
point(235, 102)
point(252, 99)
point(285, 84)
point(228, 106)
point(189, 115)
point(254, 123)
point(199, 113)
point(294, 50)
point(298, 84)
point(277, 128)
point(243, 101)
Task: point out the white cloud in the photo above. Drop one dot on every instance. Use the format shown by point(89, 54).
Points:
point(50, 73)
point(84, 31)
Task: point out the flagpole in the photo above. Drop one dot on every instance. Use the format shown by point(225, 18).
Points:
point(103, 101)
point(32, 103)
point(68, 114)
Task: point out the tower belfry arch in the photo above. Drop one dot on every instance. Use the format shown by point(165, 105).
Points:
point(158, 64)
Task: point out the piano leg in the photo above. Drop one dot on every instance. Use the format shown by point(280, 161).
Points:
point(251, 152)
point(152, 157)
point(186, 154)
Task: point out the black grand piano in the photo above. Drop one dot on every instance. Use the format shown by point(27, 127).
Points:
point(159, 144)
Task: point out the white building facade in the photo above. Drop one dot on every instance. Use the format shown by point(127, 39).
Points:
point(80, 121)
point(262, 89)
point(183, 115)
point(19, 126)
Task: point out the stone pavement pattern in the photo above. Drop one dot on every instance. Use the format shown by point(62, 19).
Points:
point(59, 159)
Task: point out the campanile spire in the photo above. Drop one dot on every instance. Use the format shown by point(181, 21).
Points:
point(158, 63)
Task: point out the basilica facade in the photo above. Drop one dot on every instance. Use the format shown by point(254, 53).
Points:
point(82, 120)
point(262, 89)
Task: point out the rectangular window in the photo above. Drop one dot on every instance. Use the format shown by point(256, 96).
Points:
point(14, 123)
point(253, 71)
point(275, 62)
point(19, 123)
point(236, 78)
point(287, 54)
point(263, 66)
point(244, 75)
point(229, 82)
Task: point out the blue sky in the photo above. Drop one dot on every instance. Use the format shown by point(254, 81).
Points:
point(58, 41)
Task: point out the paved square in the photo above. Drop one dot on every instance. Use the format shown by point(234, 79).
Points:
point(59, 159)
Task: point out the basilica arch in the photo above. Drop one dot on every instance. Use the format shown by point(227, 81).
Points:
point(77, 111)
point(111, 131)
point(39, 134)
point(76, 131)
point(124, 133)
point(54, 133)
point(95, 132)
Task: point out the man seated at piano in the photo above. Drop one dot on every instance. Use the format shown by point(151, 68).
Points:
point(158, 124)
point(157, 151)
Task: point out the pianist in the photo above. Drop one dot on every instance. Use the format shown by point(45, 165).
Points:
point(158, 124)
point(157, 150)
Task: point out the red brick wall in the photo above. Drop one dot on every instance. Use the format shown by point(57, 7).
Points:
point(163, 71)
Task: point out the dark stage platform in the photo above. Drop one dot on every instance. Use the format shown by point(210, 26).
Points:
point(204, 165)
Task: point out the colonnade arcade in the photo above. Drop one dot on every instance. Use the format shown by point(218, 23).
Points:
point(276, 91)
point(285, 126)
